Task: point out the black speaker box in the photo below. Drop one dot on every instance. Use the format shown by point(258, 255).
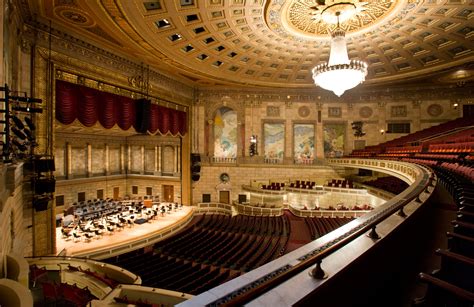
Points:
point(44, 185)
point(195, 166)
point(41, 204)
point(142, 118)
point(44, 165)
point(242, 198)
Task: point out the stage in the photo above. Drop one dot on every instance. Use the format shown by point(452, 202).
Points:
point(127, 239)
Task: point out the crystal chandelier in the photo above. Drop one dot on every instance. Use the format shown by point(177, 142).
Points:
point(339, 74)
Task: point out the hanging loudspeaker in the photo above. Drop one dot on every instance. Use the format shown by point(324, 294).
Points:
point(41, 203)
point(44, 165)
point(142, 119)
point(44, 185)
point(195, 167)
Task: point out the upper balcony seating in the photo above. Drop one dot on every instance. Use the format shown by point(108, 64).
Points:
point(341, 183)
point(432, 139)
point(390, 184)
point(273, 186)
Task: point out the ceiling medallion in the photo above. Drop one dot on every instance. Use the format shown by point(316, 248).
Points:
point(310, 18)
point(74, 16)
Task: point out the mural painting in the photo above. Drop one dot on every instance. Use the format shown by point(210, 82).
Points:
point(225, 133)
point(334, 135)
point(304, 143)
point(274, 140)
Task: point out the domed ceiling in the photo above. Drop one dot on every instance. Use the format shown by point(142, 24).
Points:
point(276, 43)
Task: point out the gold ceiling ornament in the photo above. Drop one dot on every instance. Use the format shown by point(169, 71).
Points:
point(317, 17)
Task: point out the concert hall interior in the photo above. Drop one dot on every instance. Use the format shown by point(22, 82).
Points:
point(237, 152)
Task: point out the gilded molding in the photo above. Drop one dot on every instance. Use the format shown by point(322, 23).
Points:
point(77, 55)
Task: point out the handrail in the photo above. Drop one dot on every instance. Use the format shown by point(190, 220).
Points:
point(420, 177)
point(439, 283)
point(254, 210)
point(327, 213)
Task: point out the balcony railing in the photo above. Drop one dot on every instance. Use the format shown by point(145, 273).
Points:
point(223, 160)
point(272, 280)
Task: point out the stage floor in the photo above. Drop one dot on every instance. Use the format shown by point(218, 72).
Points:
point(126, 236)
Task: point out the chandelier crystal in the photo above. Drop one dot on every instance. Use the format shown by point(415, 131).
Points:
point(339, 74)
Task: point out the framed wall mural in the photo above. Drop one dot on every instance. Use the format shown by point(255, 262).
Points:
point(303, 151)
point(334, 135)
point(274, 140)
point(225, 133)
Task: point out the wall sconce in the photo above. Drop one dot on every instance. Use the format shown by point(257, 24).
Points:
point(382, 131)
point(455, 105)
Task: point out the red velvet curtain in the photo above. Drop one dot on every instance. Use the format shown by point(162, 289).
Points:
point(163, 119)
point(90, 105)
point(154, 117)
point(66, 100)
point(125, 112)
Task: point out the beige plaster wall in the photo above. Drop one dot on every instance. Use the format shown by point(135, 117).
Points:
point(210, 183)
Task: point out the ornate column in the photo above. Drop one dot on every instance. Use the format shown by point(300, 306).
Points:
point(178, 157)
point(68, 161)
point(416, 116)
point(142, 154)
point(175, 159)
point(319, 146)
point(106, 160)
point(129, 159)
point(122, 158)
point(382, 117)
point(89, 160)
point(159, 170)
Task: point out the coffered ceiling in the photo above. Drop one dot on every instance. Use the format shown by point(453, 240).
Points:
point(275, 43)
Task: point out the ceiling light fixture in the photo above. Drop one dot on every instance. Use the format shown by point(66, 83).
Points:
point(339, 74)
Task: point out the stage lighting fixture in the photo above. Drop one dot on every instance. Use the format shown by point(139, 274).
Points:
point(20, 146)
point(26, 99)
point(28, 134)
point(30, 123)
point(19, 133)
point(27, 109)
point(18, 122)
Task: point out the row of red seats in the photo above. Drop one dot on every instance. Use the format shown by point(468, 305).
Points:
point(231, 244)
point(416, 137)
point(404, 149)
point(390, 184)
point(461, 136)
point(340, 183)
point(466, 147)
point(318, 227)
point(63, 294)
point(462, 170)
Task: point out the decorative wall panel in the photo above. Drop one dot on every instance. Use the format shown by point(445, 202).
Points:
point(274, 140)
point(334, 135)
point(225, 133)
point(303, 143)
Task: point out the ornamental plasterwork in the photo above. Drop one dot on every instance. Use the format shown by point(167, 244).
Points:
point(227, 43)
point(99, 61)
point(306, 17)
